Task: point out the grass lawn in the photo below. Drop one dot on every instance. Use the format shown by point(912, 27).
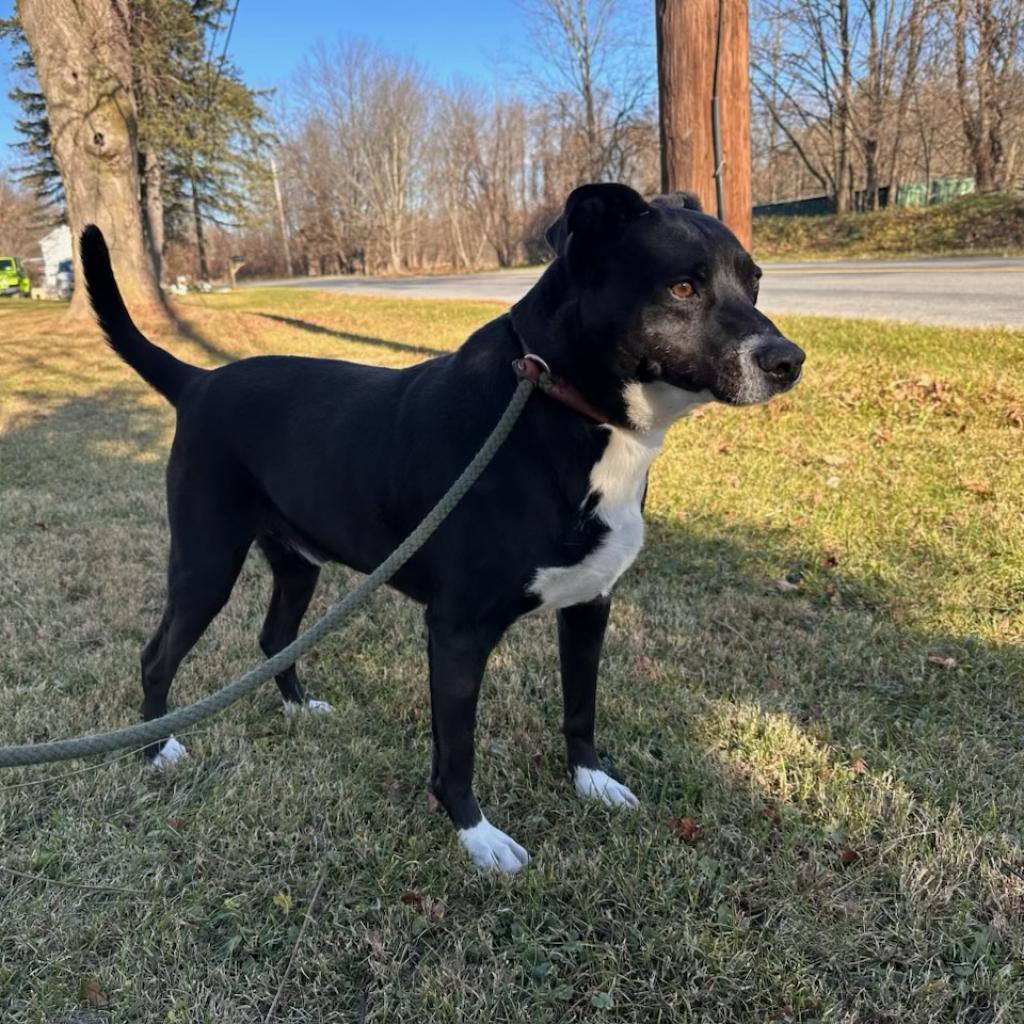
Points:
point(817, 660)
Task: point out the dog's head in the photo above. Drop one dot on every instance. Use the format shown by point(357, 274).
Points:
point(669, 297)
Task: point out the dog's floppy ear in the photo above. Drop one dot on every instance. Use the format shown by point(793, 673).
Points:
point(594, 216)
point(679, 200)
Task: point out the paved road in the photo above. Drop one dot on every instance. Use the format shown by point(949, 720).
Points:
point(969, 291)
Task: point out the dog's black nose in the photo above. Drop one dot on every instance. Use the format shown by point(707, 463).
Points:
point(780, 359)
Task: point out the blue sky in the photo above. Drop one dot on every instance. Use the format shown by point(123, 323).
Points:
point(476, 39)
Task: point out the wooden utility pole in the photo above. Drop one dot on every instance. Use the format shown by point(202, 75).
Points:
point(687, 35)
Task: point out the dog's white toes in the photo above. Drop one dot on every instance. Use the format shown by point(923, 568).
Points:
point(598, 785)
point(491, 850)
point(170, 754)
point(308, 707)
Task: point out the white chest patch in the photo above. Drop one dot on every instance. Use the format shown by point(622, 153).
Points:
point(619, 478)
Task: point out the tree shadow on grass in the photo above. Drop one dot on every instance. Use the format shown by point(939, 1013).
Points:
point(192, 333)
point(362, 339)
point(860, 805)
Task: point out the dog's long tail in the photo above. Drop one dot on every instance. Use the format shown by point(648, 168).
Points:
point(159, 369)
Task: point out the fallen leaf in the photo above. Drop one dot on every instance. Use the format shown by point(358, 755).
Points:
point(848, 855)
point(725, 448)
point(783, 586)
point(978, 487)
point(941, 661)
point(90, 993)
point(829, 559)
point(646, 666)
point(430, 908)
point(835, 460)
point(858, 767)
point(686, 829)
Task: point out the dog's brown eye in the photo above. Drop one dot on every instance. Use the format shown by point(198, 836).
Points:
point(682, 289)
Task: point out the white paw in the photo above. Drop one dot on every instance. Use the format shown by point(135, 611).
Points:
point(309, 707)
point(596, 784)
point(170, 754)
point(491, 850)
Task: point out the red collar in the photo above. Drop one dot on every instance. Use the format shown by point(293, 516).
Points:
point(533, 368)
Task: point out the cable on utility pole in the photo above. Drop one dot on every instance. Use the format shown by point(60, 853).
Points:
point(716, 128)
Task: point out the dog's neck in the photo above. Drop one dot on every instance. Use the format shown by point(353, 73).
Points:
point(546, 320)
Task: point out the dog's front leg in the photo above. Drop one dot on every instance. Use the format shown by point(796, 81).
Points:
point(458, 657)
point(581, 629)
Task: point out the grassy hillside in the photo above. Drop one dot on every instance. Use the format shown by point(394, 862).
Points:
point(817, 661)
point(973, 225)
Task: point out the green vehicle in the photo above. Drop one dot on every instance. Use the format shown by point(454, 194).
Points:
point(13, 279)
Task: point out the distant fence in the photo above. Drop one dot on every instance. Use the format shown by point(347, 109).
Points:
point(911, 193)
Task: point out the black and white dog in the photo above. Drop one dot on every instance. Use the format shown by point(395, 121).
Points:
point(647, 311)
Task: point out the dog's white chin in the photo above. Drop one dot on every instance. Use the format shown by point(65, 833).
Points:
point(656, 405)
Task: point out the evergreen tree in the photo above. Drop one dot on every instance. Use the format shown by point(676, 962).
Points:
point(200, 131)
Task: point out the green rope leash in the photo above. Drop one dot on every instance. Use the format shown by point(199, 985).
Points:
point(159, 728)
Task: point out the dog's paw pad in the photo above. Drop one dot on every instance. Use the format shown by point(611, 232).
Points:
point(307, 707)
point(598, 785)
point(491, 850)
point(170, 754)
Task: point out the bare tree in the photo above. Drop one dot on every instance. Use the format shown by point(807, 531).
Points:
point(23, 221)
point(987, 37)
point(589, 80)
point(809, 93)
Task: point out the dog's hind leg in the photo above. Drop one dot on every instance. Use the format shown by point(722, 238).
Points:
point(202, 569)
point(295, 580)
point(581, 629)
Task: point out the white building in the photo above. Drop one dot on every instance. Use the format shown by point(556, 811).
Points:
point(56, 247)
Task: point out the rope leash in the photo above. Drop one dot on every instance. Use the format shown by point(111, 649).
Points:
point(159, 728)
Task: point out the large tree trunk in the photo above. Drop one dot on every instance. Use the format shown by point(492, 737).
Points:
point(83, 63)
